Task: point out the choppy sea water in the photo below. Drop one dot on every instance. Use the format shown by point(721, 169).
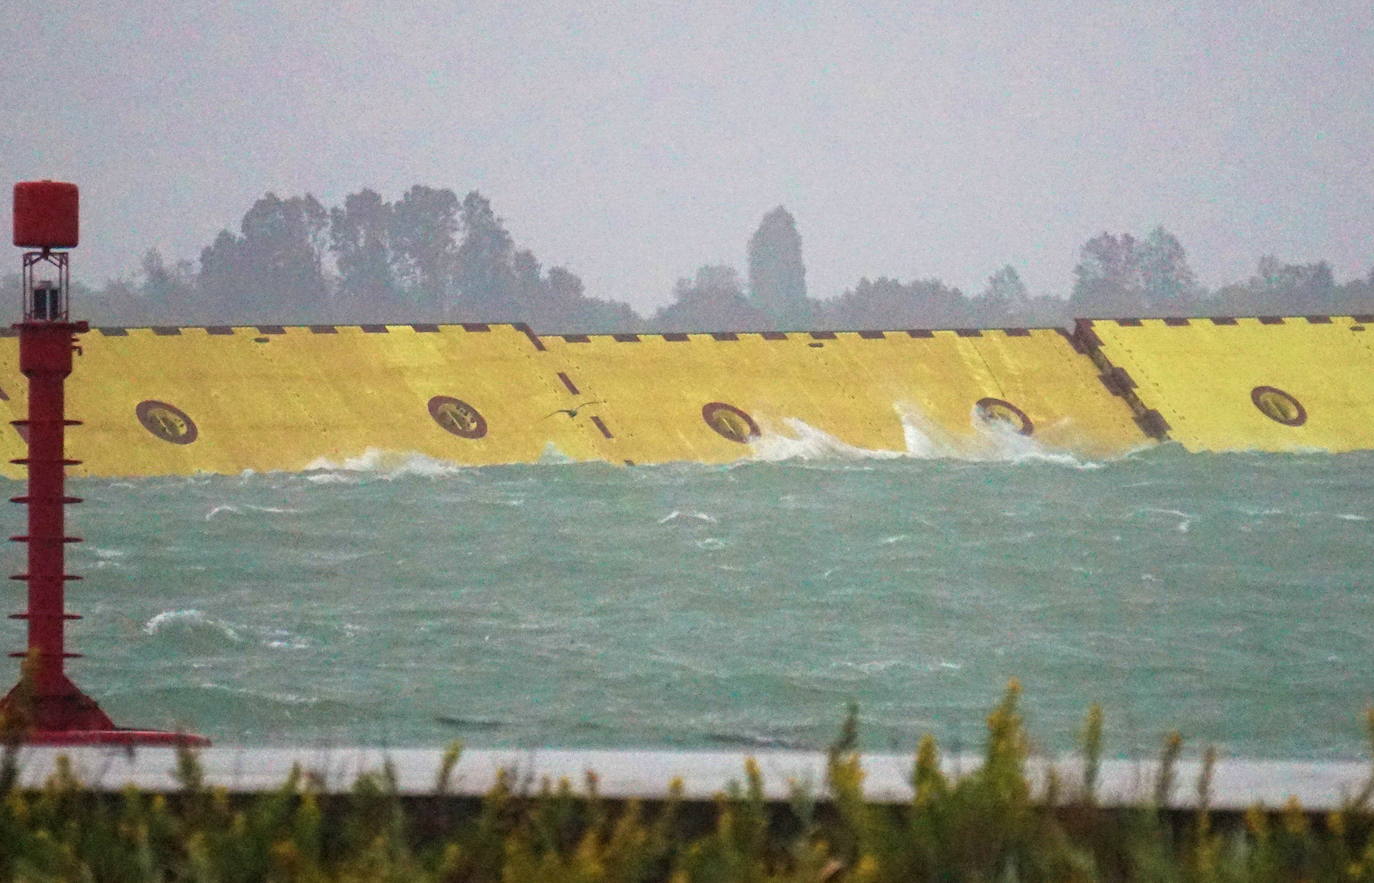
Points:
point(398, 601)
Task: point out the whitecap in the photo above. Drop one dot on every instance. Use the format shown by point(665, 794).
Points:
point(806, 442)
point(190, 621)
point(384, 464)
point(1174, 512)
point(552, 456)
point(331, 478)
point(873, 666)
point(677, 514)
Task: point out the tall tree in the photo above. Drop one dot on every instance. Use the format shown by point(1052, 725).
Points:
point(1165, 277)
point(1107, 279)
point(529, 288)
point(565, 308)
point(712, 301)
point(275, 268)
point(1294, 288)
point(424, 226)
point(359, 235)
point(168, 293)
point(1004, 297)
point(777, 274)
point(484, 275)
point(221, 277)
point(889, 303)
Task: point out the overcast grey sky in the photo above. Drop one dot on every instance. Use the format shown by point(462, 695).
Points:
point(633, 142)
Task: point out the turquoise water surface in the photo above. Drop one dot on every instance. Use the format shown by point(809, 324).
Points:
point(399, 601)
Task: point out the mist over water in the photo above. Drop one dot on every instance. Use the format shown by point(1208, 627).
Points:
point(398, 601)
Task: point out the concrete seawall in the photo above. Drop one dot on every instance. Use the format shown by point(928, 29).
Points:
point(1237, 784)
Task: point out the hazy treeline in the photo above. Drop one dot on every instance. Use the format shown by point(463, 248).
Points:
point(431, 257)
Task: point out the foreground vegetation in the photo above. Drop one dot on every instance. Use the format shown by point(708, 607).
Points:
point(984, 826)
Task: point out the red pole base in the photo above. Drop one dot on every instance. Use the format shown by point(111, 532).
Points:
point(55, 705)
point(130, 738)
point(67, 716)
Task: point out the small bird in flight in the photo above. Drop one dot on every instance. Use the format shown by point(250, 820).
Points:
point(572, 412)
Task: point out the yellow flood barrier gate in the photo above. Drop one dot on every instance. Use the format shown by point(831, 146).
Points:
point(157, 401)
point(1268, 383)
point(175, 401)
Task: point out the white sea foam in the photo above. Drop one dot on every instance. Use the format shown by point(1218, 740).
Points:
point(331, 478)
point(802, 441)
point(196, 626)
point(552, 456)
point(677, 514)
point(1174, 512)
point(190, 621)
point(227, 509)
point(281, 639)
point(999, 441)
point(383, 464)
point(872, 666)
point(989, 441)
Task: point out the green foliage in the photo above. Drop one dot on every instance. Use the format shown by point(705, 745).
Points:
point(429, 257)
point(777, 274)
point(990, 824)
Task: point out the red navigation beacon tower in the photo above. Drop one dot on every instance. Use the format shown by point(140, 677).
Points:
point(46, 708)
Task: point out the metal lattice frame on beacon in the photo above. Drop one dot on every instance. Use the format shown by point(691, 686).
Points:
point(46, 708)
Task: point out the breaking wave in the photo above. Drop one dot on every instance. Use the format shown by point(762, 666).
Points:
point(990, 441)
point(782, 440)
point(390, 465)
point(377, 463)
point(194, 627)
point(196, 631)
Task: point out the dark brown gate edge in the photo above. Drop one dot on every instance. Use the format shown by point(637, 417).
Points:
point(1118, 381)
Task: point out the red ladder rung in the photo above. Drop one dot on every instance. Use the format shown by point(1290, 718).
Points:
point(64, 500)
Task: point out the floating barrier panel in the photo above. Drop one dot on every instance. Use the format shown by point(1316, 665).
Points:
point(720, 397)
point(175, 400)
point(1267, 383)
point(182, 400)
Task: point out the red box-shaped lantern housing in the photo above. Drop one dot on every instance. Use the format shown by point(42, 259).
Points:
point(45, 214)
